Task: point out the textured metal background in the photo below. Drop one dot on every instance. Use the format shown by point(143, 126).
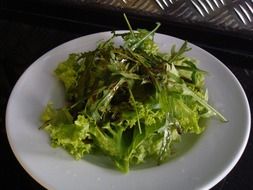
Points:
point(229, 15)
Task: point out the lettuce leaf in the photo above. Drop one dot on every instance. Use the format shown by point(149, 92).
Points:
point(63, 133)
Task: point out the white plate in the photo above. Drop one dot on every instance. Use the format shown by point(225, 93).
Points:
point(209, 160)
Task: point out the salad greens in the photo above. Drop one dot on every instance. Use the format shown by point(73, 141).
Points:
point(130, 102)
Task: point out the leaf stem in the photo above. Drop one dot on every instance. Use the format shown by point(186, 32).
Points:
point(145, 37)
point(136, 110)
point(129, 25)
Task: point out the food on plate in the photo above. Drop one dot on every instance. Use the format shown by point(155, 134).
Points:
point(131, 102)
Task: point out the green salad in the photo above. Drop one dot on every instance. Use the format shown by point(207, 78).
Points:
point(131, 103)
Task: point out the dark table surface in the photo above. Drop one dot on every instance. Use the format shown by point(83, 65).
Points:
point(24, 38)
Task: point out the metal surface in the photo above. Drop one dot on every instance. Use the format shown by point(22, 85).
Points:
point(229, 15)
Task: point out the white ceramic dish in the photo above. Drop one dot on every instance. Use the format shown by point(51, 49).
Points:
point(209, 160)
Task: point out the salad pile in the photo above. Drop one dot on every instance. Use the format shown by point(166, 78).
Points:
point(131, 103)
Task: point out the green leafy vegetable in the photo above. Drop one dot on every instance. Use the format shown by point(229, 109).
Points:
point(131, 103)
